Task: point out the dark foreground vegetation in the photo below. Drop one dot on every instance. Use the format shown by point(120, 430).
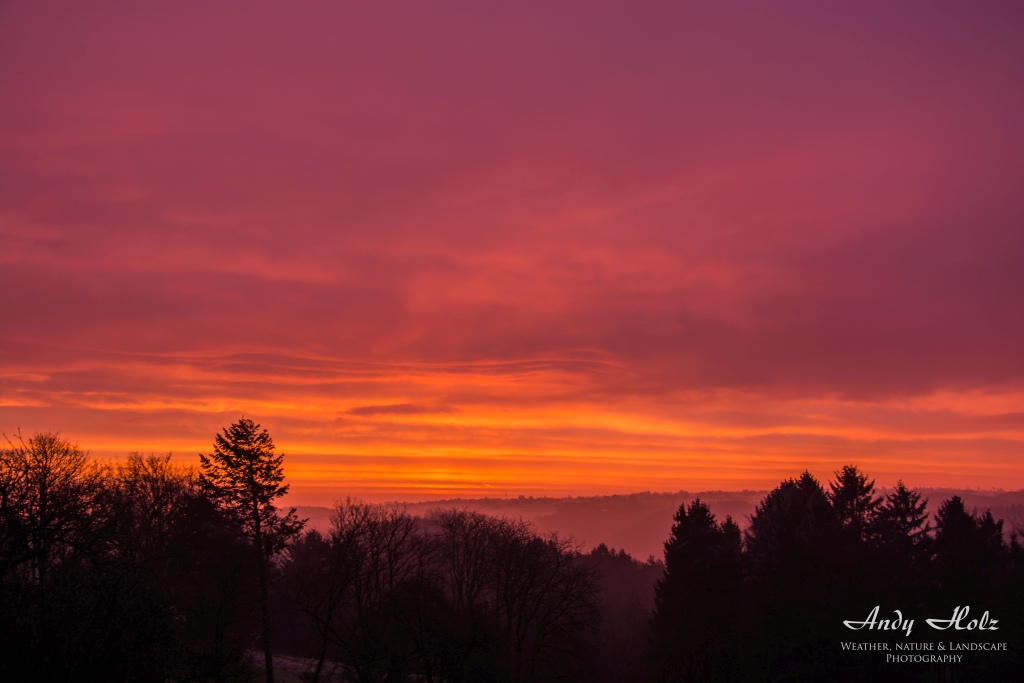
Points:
point(146, 571)
point(769, 604)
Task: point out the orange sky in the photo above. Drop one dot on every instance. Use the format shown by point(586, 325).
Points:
point(478, 250)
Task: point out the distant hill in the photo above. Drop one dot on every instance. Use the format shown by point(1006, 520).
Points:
point(639, 523)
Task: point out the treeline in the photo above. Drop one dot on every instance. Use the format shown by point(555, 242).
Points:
point(146, 571)
point(768, 604)
point(123, 573)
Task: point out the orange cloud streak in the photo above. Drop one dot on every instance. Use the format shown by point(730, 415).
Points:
point(536, 426)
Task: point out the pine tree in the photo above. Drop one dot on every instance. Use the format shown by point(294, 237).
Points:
point(901, 524)
point(792, 532)
point(694, 619)
point(852, 496)
point(793, 559)
point(969, 548)
point(243, 477)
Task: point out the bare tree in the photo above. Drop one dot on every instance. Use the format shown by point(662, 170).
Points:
point(318, 578)
point(466, 555)
point(539, 592)
point(48, 487)
point(384, 550)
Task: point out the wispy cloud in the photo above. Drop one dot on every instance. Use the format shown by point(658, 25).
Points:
point(395, 409)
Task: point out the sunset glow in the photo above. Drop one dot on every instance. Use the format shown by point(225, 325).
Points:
point(479, 250)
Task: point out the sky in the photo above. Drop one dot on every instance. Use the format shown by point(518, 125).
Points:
point(538, 248)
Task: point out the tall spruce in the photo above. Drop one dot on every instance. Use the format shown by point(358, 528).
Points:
point(694, 623)
point(854, 500)
point(901, 525)
point(793, 559)
point(243, 476)
point(969, 550)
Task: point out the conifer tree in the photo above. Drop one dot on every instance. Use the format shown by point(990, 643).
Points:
point(793, 559)
point(693, 625)
point(852, 496)
point(243, 477)
point(901, 524)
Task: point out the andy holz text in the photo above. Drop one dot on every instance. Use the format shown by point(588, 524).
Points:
point(958, 622)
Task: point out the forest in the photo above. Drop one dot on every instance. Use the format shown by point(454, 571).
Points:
point(146, 570)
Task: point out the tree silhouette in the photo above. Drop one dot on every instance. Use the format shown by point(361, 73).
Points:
point(48, 490)
point(792, 531)
point(968, 549)
point(901, 525)
point(317, 579)
point(47, 486)
point(852, 496)
point(694, 624)
point(374, 550)
point(793, 560)
point(243, 477)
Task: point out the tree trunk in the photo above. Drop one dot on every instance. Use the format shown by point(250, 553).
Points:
point(320, 661)
point(268, 657)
